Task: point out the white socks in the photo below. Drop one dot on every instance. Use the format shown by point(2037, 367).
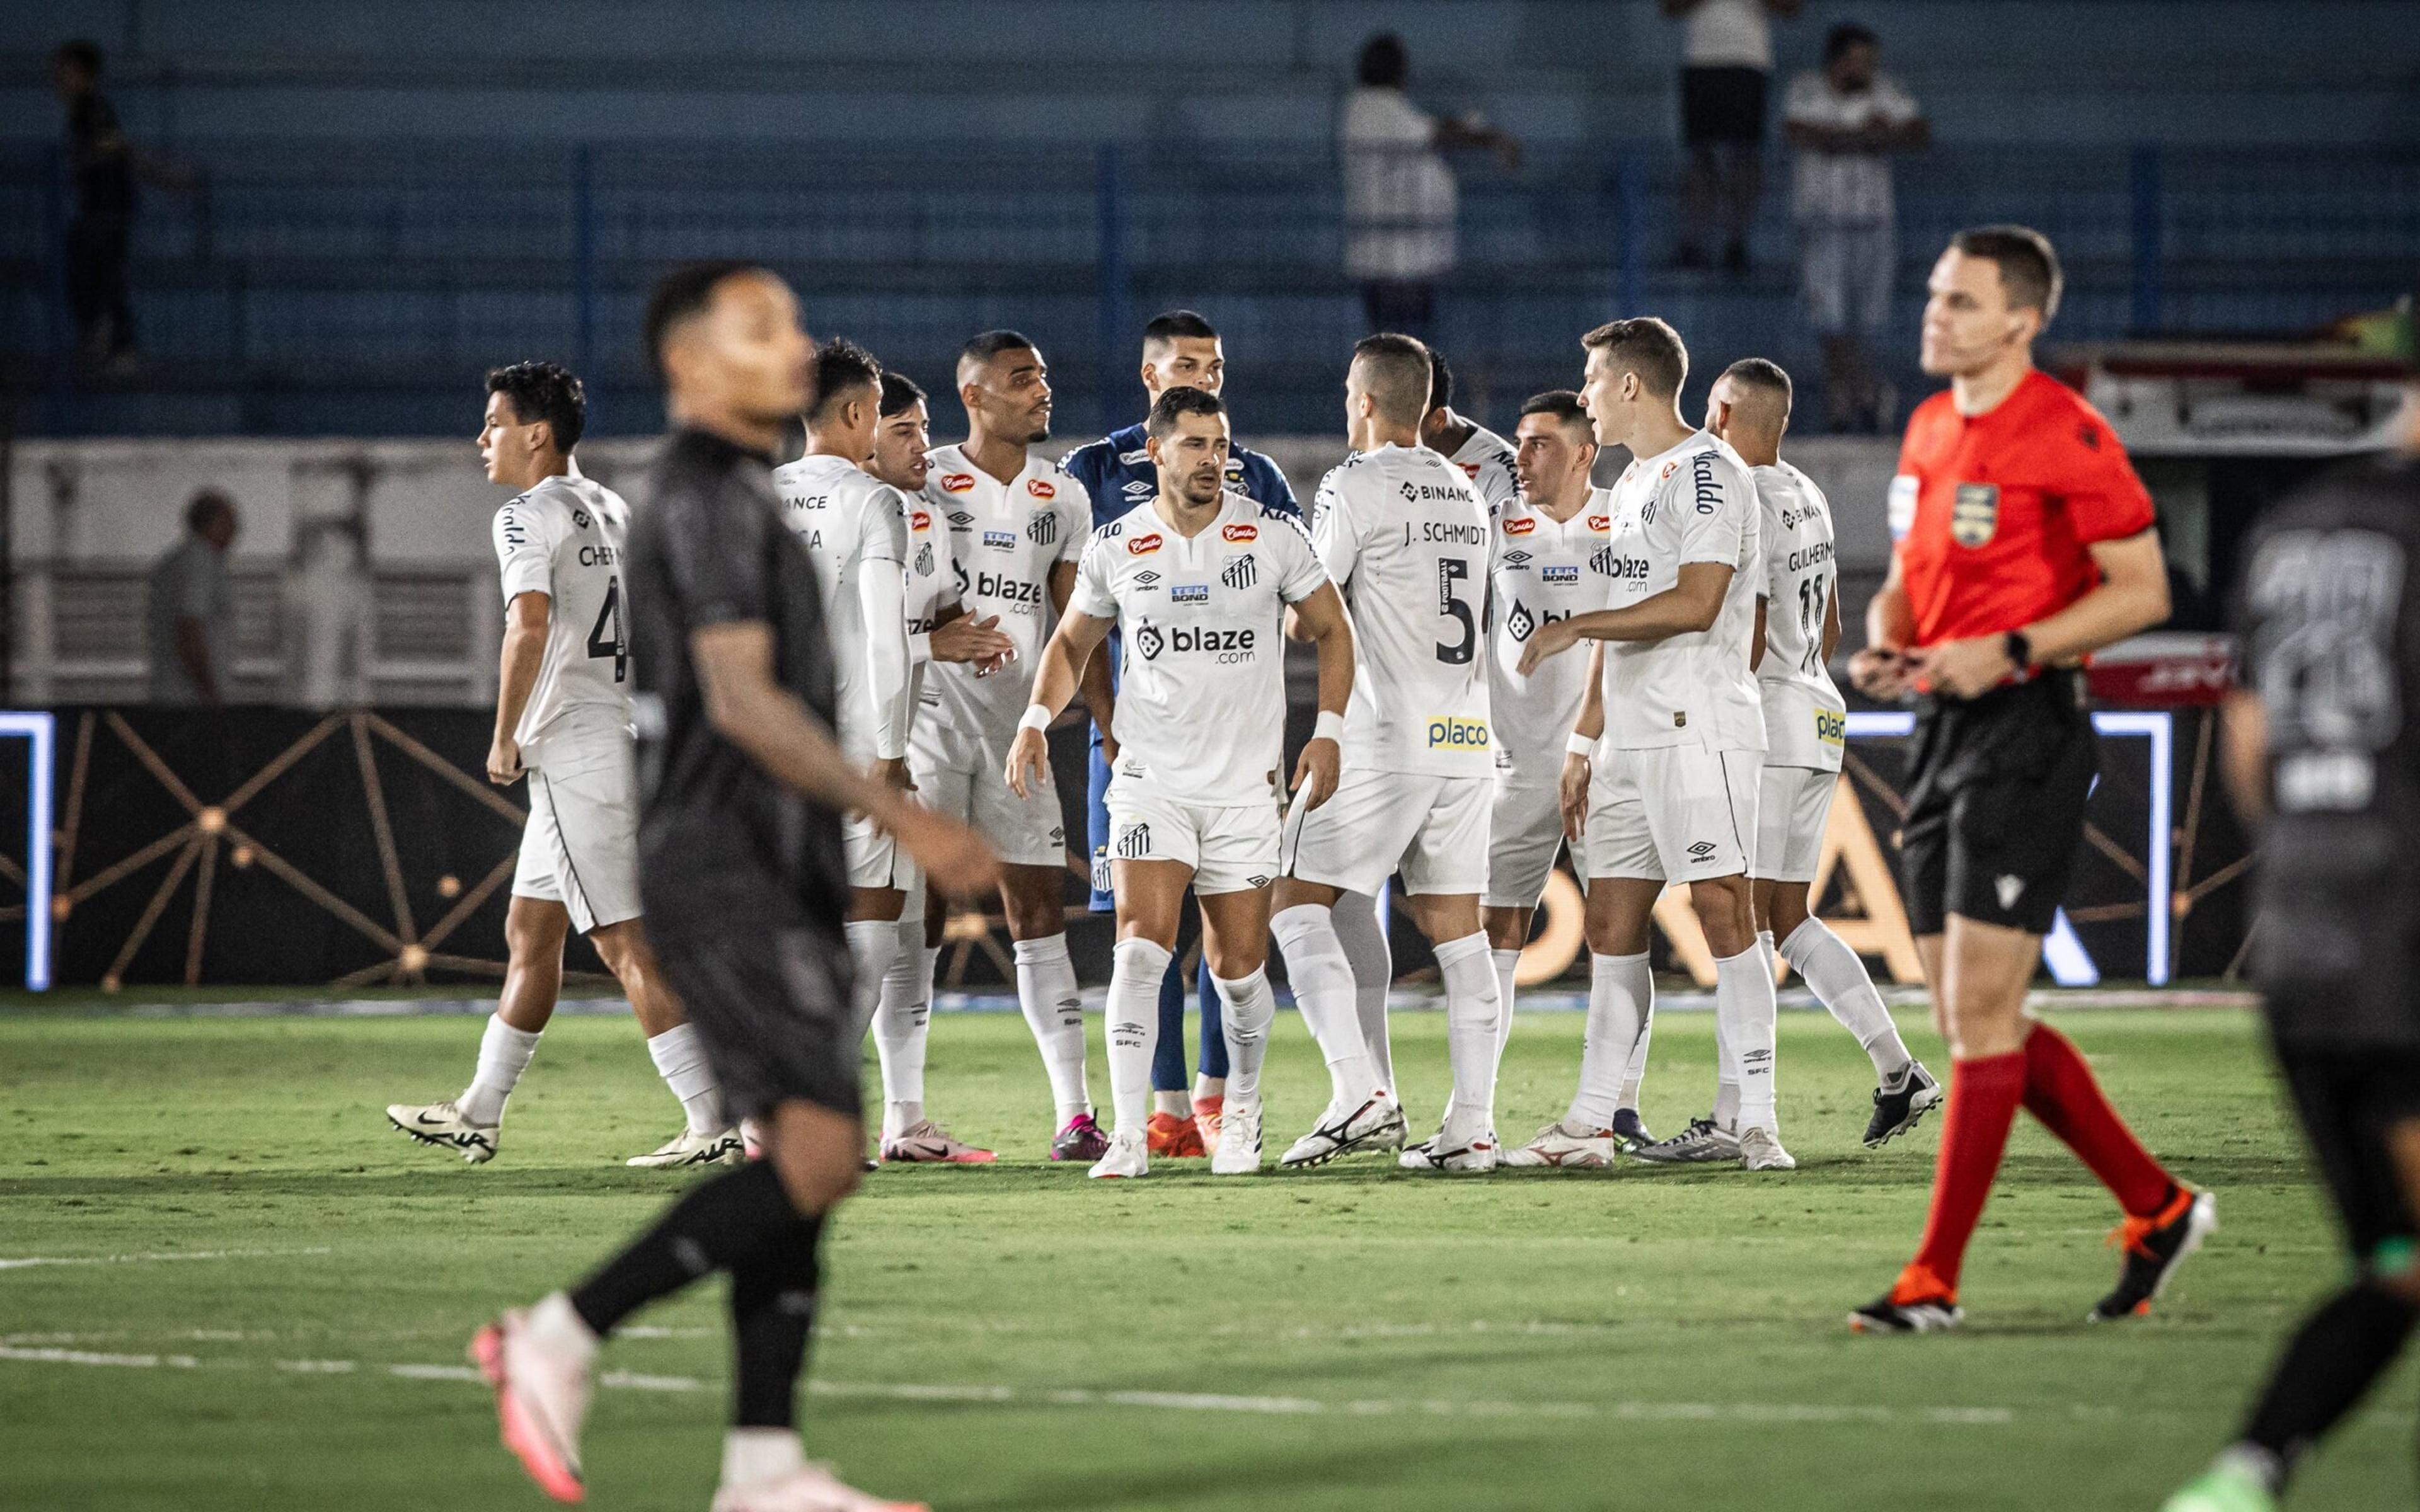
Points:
point(901, 1023)
point(1054, 1011)
point(1744, 1011)
point(1621, 991)
point(1507, 964)
point(1323, 990)
point(503, 1054)
point(557, 1328)
point(1248, 1007)
point(1355, 919)
point(1839, 981)
point(1134, 1028)
point(680, 1061)
point(1472, 1011)
point(752, 1457)
point(1635, 1073)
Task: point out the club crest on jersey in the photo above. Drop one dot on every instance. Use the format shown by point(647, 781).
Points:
point(1521, 526)
point(1040, 489)
point(1451, 731)
point(1189, 593)
point(957, 481)
point(1520, 622)
point(1142, 545)
point(924, 559)
point(1243, 572)
point(1238, 533)
point(1134, 842)
point(1043, 528)
point(1000, 540)
point(1975, 514)
point(1600, 562)
point(1565, 575)
point(1100, 869)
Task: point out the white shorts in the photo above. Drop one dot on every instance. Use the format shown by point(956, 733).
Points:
point(1845, 276)
point(1229, 849)
point(1672, 814)
point(1431, 831)
point(1025, 831)
point(1792, 805)
point(1525, 834)
point(580, 847)
point(874, 858)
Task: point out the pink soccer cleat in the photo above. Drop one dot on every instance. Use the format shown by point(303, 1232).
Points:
point(541, 1403)
point(925, 1141)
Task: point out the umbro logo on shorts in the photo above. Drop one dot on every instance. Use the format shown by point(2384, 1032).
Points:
point(1256, 880)
point(1241, 573)
point(1134, 842)
point(1701, 850)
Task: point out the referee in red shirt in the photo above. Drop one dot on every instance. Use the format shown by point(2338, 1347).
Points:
point(2023, 542)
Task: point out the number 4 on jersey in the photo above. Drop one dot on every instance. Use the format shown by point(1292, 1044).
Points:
point(605, 638)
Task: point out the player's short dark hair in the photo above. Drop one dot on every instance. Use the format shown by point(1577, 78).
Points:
point(2030, 269)
point(900, 392)
point(1174, 404)
point(207, 505)
point(1384, 62)
point(1397, 367)
point(1844, 36)
point(1647, 346)
point(1564, 405)
point(1177, 325)
point(1440, 381)
point(982, 349)
point(841, 367)
point(681, 295)
point(1766, 374)
point(80, 53)
point(547, 392)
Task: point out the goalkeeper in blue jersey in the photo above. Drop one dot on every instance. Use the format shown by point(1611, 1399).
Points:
point(1179, 349)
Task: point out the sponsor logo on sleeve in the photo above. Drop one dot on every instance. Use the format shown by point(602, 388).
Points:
point(957, 481)
point(1134, 459)
point(1975, 514)
point(1142, 545)
point(1522, 525)
point(1240, 532)
point(1452, 732)
point(1040, 489)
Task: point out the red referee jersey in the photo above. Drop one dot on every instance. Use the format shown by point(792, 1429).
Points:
point(1992, 514)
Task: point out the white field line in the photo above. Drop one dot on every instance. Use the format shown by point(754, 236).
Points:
point(25, 1261)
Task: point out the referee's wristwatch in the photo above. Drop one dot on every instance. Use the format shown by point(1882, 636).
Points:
point(2019, 648)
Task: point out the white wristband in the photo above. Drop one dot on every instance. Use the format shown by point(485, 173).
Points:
point(1329, 726)
point(1037, 716)
point(1581, 744)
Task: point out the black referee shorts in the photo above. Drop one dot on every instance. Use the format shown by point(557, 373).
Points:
point(2348, 1099)
point(771, 1003)
point(1995, 804)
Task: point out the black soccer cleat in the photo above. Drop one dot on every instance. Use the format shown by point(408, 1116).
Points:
point(1921, 1314)
point(1900, 1109)
point(1630, 1131)
point(2154, 1247)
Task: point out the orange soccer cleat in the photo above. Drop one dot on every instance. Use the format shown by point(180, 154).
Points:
point(1174, 1138)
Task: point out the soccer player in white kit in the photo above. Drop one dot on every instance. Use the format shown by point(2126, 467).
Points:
point(1200, 581)
point(938, 631)
point(1804, 725)
point(1683, 740)
point(1550, 564)
point(1405, 539)
point(563, 720)
point(1018, 523)
point(856, 530)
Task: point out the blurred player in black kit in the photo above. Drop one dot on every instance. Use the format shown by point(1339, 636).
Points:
point(745, 887)
point(2321, 744)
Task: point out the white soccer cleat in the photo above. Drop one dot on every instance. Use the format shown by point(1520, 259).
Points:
point(1239, 1141)
point(1567, 1147)
point(441, 1124)
point(690, 1148)
point(1129, 1155)
point(541, 1402)
point(1398, 1130)
point(1759, 1149)
point(808, 1489)
point(1703, 1142)
point(1467, 1151)
point(1345, 1128)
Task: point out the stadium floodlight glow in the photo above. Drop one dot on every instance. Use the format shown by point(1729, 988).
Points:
point(2071, 964)
point(39, 729)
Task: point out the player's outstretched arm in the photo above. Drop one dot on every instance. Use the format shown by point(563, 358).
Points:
point(1323, 622)
point(516, 670)
point(1054, 686)
point(781, 734)
point(1691, 604)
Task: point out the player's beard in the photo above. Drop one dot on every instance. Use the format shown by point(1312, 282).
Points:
point(1041, 431)
point(1200, 492)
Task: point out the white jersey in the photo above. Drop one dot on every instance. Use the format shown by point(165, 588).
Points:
point(1694, 502)
point(1004, 540)
point(1486, 460)
point(1805, 719)
point(1201, 710)
point(854, 525)
point(1400, 531)
point(563, 539)
point(1544, 571)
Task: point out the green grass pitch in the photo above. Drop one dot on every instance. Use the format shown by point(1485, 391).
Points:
point(256, 1253)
